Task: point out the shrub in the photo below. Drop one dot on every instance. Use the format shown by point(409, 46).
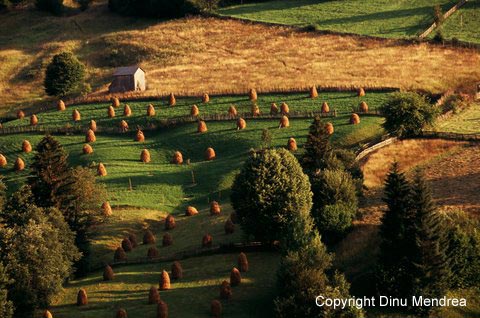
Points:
point(153, 296)
point(106, 208)
point(153, 252)
point(145, 156)
point(215, 208)
point(148, 237)
point(121, 313)
point(169, 222)
point(108, 273)
point(127, 245)
point(33, 120)
point(162, 309)
point(101, 170)
point(335, 220)
point(90, 136)
point(235, 277)
point(225, 290)
point(207, 5)
point(26, 146)
point(82, 298)
point(167, 240)
point(216, 309)
point(177, 271)
point(127, 111)
point(61, 105)
point(194, 111)
point(150, 110)
point(229, 227)
point(164, 282)
point(63, 74)
point(243, 262)
point(119, 255)
point(93, 125)
point(191, 211)
point(313, 92)
point(210, 154)
point(438, 37)
point(292, 144)
point(207, 240)
point(325, 108)
point(202, 127)
point(52, 6)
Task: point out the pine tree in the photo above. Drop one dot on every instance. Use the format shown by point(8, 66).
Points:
point(317, 147)
point(6, 306)
point(3, 194)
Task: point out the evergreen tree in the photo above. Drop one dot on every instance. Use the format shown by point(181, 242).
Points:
point(3, 194)
point(64, 74)
point(317, 147)
point(19, 208)
point(6, 306)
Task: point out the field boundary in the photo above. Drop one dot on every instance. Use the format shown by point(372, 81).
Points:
point(449, 136)
point(446, 15)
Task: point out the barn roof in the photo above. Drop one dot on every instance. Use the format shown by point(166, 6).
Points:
point(127, 70)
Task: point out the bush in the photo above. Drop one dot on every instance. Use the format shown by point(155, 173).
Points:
point(52, 6)
point(335, 220)
point(63, 75)
point(84, 4)
point(153, 8)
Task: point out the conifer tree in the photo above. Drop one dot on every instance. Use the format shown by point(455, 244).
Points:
point(317, 147)
point(6, 306)
point(3, 194)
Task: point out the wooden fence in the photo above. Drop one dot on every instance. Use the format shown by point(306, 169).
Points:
point(375, 145)
point(445, 16)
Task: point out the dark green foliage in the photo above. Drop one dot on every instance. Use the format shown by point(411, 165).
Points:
point(206, 5)
point(334, 221)
point(3, 194)
point(52, 6)
point(84, 4)
point(6, 306)
point(439, 38)
point(317, 147)
point(153, 8)
point(266, 138)
point(4, 5)
point(20, 208)
point(406, 114)
point(347, 161)
point(63, 75)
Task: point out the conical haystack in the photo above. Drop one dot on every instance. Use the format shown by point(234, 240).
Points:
point(167, 240)
point(33, 120)
point(225, 290)
point(108, 273)
point(133, 239)
point(153, 253)
point(19, 164)
point(177, 271)
point(325, 108)
point(127, 245)
point(191, 211)
point(90, 136)
point(354, 119)
point(20, 114)
point(292, 144)
point(26, 146)
point(164, 282)
point(241, 124)
point(255, 110)
point(153, 296)
point(121, 313)
point(115, 102)
point(76, 115)
point(216, 309)
point(329, 128)
point(235, 277)
point(93, 125)
point(61, 105)
point(140, 137)
point(106, 208)
point(171, 100)
point(82, 298)
point(313, 92)
point(149, 238)
point(243, 262)
point(123, 125)
point(205, 98)
point(162, 309)
point(252, 94)
point(207, 240)
point(111, 112)
point(194, 111)
point(150, 110)
point(170, 222)
point(273, 109)
point(47, 314)
point(145, 156)
point(284, 109)
point(87, 149)
point(127, 111)
point(3, 161)
point(210, 154)
point(215, 208)
point(120, 254)
point(101, 170)
point(202, 127)
point(364, 107)
point(284, 122)
point(232, 111)
point(361, 92)
point(177, 158)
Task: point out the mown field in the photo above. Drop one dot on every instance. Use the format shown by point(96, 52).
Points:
point(464, 25)
point(383, 18)
point(467, 121)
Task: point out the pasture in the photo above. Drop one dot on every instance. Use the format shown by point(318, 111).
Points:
point(464, 24)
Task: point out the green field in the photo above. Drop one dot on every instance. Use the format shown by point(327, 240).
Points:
point(465, 122)
point(464, 24)
point(383, 18)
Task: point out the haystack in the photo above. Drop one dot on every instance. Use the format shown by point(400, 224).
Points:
point(127, 245)
point(216, 309)
point(207, 240)
point(26, 146)
point(215, 208)
point(108, 273)
point(111, 112)
point(241, 124)
point(329, 128)
point(76, 115)
point(106, 208)
point(210, 154)
point(255, 110)
point(145, 156)
point(284, 122)
point(150, 110)
point(177, 158)
point(177, 271)
point(273, 109)
point(191, 211)
point(235, 277)
point(153, 252)
point(153, 296)
point(225, 290)
point(4, 162)
point(164, 282)
point(202, 127)
point(313, 92)
point(284, 109)
point(167, 240)
point(205, 98)
point(243, 262)
point(162, 309)
point(121, 313)
point(354, 119)
point(364, 107)
point(292, 144)
point(232, 111)
point(171, 100)
point(133, 239)
point(93, 125)
point(252, 94)
point(82, 299)
point(140, 137)
point(148, 237)
point(119, 255)
point(90, 136)
point(115, 102)
point(19, 164)
point(325, 108)
point(169, 222)
point(20, 114)
point(33, 120)
point(194, 111)
point(61, 105)
point(127, 111)
point(229, 227)
point(361, 92)
point(47, 314)
point(101, 170)
point(123, 126)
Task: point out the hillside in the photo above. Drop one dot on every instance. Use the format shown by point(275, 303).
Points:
point(464, 24)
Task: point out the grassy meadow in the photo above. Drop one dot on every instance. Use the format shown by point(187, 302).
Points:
point(467, 121)
point(464, 25)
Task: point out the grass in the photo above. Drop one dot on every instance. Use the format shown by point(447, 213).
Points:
point(189, 297)
point(389, 19)
point(464, 24)
point(465, 122)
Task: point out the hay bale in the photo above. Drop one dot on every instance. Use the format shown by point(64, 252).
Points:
point(284, 109)
point(169, 222)
point(47, 314)
point(76, 115)
point(364, 107)
point(153, 296)
point(19, 164)
point(252, 94)
point(225, 290)
point(119, 255)
point(205, 98)
point(194, 111)
point(61, 105)
point(235, 277)
point(4, 162)
point(284, 122)
point(26, 146)
point(82, 298)
point(191, 211)
point(243, 262)
point(171, 100)
point(106, 208)
point(255, 110)
point(210, 154)
point(207, 240)
point(241, 124)
point(150, 110)
point(145, 156)
point(202, 127)
point(164, 282)
point(232, 111)
point(148, 237)
point(115, 102)
point(325, 108)
point(90, 136)
point(313, 92)
point(33, 120)
point(177, 271)
point(127, 111)
point(121, 313)
point(162, 309)
point(108, 273)
point(329, 128)
point(133, 239)
point(167, 240)
point(292, 144)
point(354, 119)
point(273, 109)
point(111, 112)
point(234, 217)
point(20, 114)
point(216, 309)
point(140, 137)
point(123, 126)
point(177, 158)
point(101, 170)
point(127, 245)
point(361, 92)
point(87, 149)
point(93, 125)
point(153, 252)
point(215, 208)
point(229, 227)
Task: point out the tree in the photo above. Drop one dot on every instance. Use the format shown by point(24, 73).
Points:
point(4, 5)
point(270, 194)
point(406, 114)
point(153, 8)
point(6, 306)
point(63, 75)
point(52, 6)
point(317, 147)
point(266, 138)
point(84, 4)
point(207, 5)
point(3, 194)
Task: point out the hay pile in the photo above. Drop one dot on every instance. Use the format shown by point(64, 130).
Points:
point(108, 273)
point(191, 211)
point(47, 314)
point(284, 122)
point(284, 109)
point(243, 262)
point(153, 296)
point(194, 111)
point(177, 158)
point(169, 222)
point(255, 110)
point(215, 208)
point(167, 240)
point(207, 240)
point(162, 309)
point(26, 146)
point(216, 309)
point(313, 92)
point(61, 105)
point(101, 170)
point(273, 109)
point(354, 119)
point(121, 313)
point(225, 290)
point(241, 124)
point(111, 112)
point(133, 239)
point(364, 107)
point(202, 127)
point(171, 100)
point(153, 252)
point(292, 144)
point(115, 102)
point(177, 271)
point(235, 277)
point(210, 154)
point(140, 137)
point(252, 94)
point(82, 299)
point(93, 125)
point(127, 245)
point(325, 108)
point(123, 126)
point(119, 255)
point(150, 110)
point(145, 156)
point(19, 164)
point(127, 111)
point(232, 111)
point(33, 120)
point(164, 282)
point(106, 208)
point(205, 98)
point(90, 136)
point(20, 114)
point(361, 92)
point(4, 162)
point(76, 115)
point(229, 227)
point(148, 237)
